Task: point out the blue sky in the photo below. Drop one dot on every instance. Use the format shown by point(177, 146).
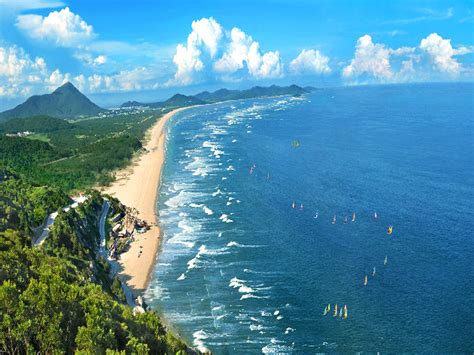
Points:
point(114, 50)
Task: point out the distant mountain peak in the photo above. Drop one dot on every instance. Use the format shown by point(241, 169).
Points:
point(67, 87)
point(64, 102)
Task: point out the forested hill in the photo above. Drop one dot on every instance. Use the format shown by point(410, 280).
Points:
point(59, 297)
point(65, 102)
point(204, 97)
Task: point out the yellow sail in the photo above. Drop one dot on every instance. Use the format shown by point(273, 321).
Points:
point(345, 312)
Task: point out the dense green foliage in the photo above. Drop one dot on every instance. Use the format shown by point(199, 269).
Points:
point(59, 298)
point(77, 155)
point(23, 206)
point(38, 124)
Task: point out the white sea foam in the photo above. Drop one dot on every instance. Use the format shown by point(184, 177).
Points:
point(230, 168)
point(255, 327)
point(198, 342)
point(225, 218)
point(289, 330)
point(181, 199)
point(206, 209)
point(238, 245)
point(182, 277)
point(217, 192)
point(251, 295)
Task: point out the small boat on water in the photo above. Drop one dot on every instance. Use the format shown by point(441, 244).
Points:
point(301, 206)
point(327, 309)
point(316, 215)
point(365, 280)
point(385, 260)
point(390, 230)
point(345, 312)
point(373, 272)
point(293, 205)
point(375, 215)
point(334, 220)
point(335, 311)
point(353, 217)
point(345, 220)
point(340, 312)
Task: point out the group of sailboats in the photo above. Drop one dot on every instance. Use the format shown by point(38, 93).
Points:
point(293, 205)
point(374, 270)
point(338, 312)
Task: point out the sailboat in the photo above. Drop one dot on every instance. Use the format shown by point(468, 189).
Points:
point(353, 217)
point(340, 312)
point(365, 280)
point(293, 205)
point(375, 215)
point(334, 220)
point(301, 206)
point(390, 230)
point(345, 312)
point(345, 220)
point(385, 261)
point(325, 311)
point(316, 215)
point(373, 272)
point(335, 311)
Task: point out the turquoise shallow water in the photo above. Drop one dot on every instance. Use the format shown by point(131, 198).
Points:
point(240, 270)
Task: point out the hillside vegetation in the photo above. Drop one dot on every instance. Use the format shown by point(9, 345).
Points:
point(59, 298)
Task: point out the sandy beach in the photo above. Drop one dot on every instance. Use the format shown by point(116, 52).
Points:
point(137, 186)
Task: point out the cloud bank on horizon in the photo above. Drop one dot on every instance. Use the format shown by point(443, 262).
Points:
point(211, 53)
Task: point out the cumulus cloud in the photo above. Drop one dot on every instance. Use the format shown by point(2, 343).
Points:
point(205, 35)
point(310, 61)
point(241, 50)
point(441, 53)
point(210, 47)
point(18, 72)
point(20, 76)
point(64, 28)
point(370, 58)
point(91, 60)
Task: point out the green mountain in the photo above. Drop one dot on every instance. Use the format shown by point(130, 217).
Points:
point(256, 91)
point(179, 100)
point(64, 102)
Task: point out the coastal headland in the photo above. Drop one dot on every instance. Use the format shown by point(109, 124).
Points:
point(137, 187)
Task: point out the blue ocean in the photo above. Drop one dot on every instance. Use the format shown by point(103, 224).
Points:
point(274, 208)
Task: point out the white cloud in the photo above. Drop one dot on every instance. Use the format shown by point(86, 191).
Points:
point(90, 60)
point(369, 58)
point(22, 76)
point(205, 35)
point(64, 28)
point(441, 53)
point(237, 50)
point(242, 50)
point(18, 72)
point(310, 61)
point(31, 4)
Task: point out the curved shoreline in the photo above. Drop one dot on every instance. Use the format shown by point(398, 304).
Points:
point(137, 186)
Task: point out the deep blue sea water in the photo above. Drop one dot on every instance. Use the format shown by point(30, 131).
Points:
point(241, 271)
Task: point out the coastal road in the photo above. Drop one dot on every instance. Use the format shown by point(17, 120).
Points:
point(51, 218)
